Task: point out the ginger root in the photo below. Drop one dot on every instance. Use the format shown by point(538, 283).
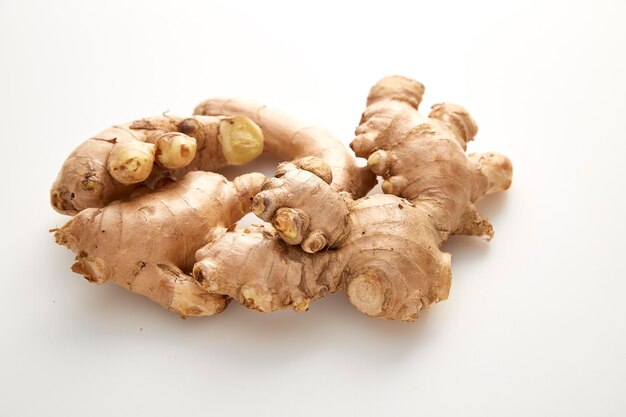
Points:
point(290, 139)
point(112, 164)
point(423, 158)
point(383, 250)
point(147, 244)
point(176, 219)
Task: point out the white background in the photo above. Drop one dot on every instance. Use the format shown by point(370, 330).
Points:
point(535, 323)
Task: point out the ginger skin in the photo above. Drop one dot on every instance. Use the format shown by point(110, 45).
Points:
point(423, 158)
point(383, 250)
point(114, 163)
point(392, 275)
point(147, 244)
point(386, 252)
point(126, 162)
point(290, 139)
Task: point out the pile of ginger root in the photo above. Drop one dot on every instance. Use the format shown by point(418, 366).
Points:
point(150, 215)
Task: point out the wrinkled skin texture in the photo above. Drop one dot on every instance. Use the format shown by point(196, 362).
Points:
point(385, 254)
point(147, 244)
point(423, 158)
point(100, 181)
point(113, 164)
point(290, 139)
point(260, 270)
point(383, 250)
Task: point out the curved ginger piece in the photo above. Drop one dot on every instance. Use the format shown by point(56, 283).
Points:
point(115, 162)
point(290, 139)
point(147, 244)
point(423, 158)
point(385, 252)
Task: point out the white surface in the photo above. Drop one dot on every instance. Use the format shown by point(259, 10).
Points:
point(535, 323)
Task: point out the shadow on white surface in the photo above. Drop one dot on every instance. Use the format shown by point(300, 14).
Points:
point(109, 316)
point(470, 248)
point(491, 205)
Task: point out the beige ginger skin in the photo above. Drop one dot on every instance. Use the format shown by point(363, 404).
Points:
point(114, 163)
point(372, 247)
point(290, 139)
point(176, 220)
point(423, 158)
point(383, 250)
point(147, 244)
